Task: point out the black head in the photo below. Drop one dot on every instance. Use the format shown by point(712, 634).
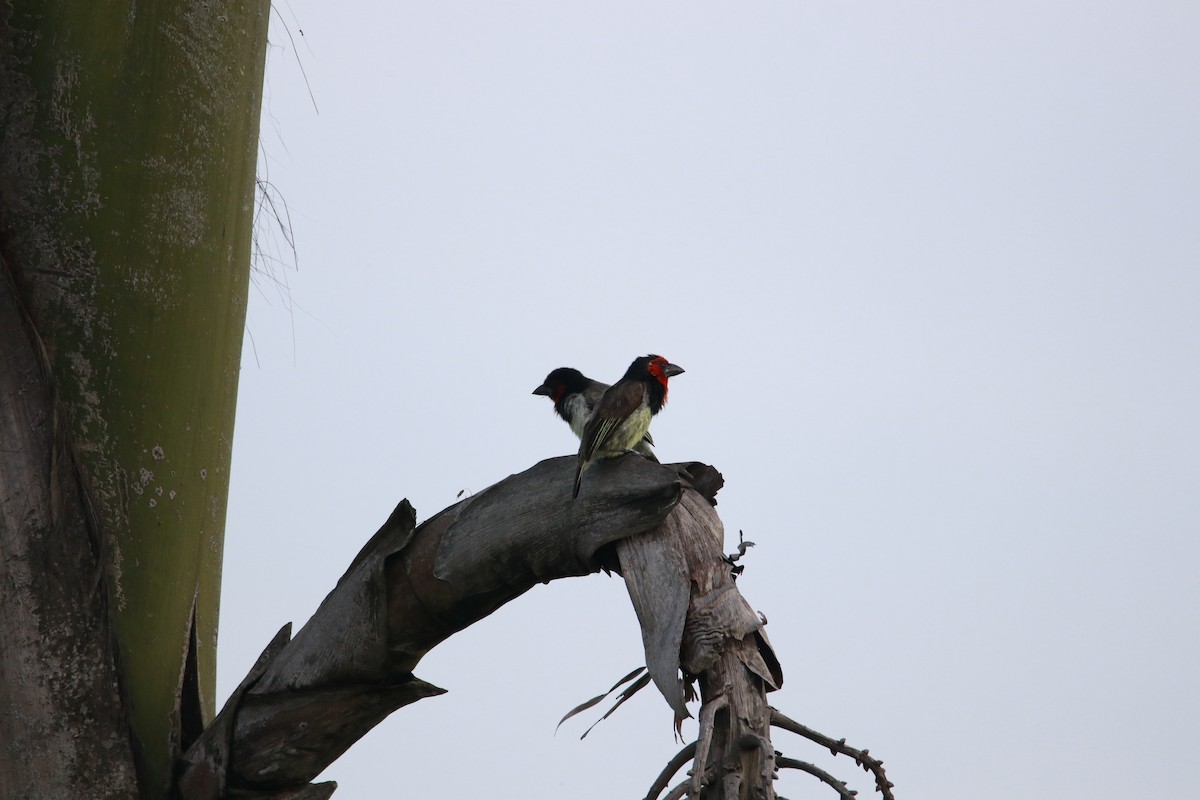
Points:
point(654, 370)
point(653, 366)
point(562, 382)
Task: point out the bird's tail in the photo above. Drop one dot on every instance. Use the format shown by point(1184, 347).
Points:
point(578, 479)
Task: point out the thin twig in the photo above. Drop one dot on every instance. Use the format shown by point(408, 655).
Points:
point(681, 788)
point(674, 765)
point(679, 791)
point(742, 547)
point(813, 769)
point(838, 747)
point(732, 558)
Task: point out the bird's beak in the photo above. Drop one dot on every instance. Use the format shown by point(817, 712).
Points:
point(671, 370)
point(543, 389)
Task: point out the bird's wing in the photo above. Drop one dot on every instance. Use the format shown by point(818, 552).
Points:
point(597, 432)
point(621, 400)
point(593, 392)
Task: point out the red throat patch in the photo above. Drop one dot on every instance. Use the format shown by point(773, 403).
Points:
point(656, 369)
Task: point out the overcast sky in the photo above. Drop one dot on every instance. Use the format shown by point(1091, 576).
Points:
point(933, 269)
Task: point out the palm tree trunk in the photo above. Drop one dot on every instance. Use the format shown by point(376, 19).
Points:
point(128, 138)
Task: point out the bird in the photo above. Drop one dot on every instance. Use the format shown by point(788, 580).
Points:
point(575, 395)
point(621, 417)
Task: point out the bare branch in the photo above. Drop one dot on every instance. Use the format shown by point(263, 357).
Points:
point(838, 747)
point(674, 765)
point(813, 769)
point(679, 791)
point(408, 589)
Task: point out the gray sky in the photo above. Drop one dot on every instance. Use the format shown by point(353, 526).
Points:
point(933, 269)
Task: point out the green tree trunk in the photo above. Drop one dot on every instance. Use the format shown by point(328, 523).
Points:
point(128, 135)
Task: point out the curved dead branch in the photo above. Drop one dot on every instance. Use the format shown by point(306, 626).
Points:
point(697, 783)
point(412, 587)
point(812, 769)
point(674, 765)
point(839, 747)
point(409, 588)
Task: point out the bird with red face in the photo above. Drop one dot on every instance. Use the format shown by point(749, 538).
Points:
point(574, 396)
point(621, 417)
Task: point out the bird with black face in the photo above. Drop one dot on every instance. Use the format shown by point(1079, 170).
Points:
point(621, 417)
point(574, 396)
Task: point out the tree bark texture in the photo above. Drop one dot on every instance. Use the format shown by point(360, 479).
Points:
point(726, 647)
point(411, 587)
point(62, 722)
point(694, 620)
point(128, 136)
